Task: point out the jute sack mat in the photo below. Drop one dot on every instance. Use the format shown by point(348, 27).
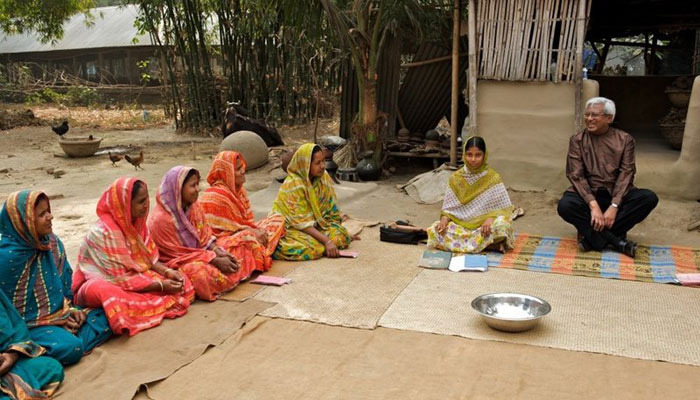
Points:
point(116, 369)
point(631, 319)
point(283, 359)
point(351, 292)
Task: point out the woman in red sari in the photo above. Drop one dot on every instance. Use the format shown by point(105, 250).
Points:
point(228, 210)
point(186, 242)
point(118, 266)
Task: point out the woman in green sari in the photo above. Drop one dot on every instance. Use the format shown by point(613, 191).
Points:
point(306, 199)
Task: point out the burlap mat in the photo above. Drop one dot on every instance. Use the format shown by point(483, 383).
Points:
point(246, 290)
point(631, 319)
point(346, 291)
point(116, 369)
point(282, 359)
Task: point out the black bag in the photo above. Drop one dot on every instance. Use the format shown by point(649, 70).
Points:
point(395, 235)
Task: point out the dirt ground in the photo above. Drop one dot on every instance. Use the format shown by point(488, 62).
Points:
point(27, 155)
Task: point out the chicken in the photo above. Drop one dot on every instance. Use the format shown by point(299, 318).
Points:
point(114, 158)
point(136, 162)
point(61, 129)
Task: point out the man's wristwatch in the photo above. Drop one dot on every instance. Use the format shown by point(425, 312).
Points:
point(613, 205)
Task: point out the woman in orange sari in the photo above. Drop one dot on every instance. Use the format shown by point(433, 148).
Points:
point(228, 210)
point(118, 266)
point(187, 243)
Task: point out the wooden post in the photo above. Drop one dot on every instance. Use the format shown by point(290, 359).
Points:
point(473, 66)
point(455, 84)
point(578, 70)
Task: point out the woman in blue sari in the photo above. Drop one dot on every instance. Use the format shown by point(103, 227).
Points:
point(24, 374)
point(36, 278)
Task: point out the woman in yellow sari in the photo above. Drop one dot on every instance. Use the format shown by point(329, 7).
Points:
point(307, 202)
point(476, 212)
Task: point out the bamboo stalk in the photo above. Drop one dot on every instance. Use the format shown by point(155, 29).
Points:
point(455, 83)
point(578, 73)
point(473, 67)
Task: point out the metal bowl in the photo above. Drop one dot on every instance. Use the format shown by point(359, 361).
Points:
point(511, 312)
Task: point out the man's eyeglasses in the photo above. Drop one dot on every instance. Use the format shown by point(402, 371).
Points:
point(593, 115)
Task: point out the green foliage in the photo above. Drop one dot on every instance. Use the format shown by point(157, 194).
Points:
point(81, 96)
point(145, 71)
point(45, 17)
point(75, 96)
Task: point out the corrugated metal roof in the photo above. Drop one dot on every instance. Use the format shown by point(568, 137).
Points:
point(426, 92)
point(113, 27)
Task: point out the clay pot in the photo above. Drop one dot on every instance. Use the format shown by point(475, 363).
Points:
point(79, 146)
point(331, 166)
point(285, 158)
point(432, 135)
point(678, 97)
point(367, 168)
point(673, 133)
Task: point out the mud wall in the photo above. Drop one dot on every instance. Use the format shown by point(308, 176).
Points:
point(683, 178)
point(527, 126)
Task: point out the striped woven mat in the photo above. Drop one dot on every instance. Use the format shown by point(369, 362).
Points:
point(561, 255)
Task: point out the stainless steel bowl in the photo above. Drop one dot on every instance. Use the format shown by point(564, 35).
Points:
point(511, 312)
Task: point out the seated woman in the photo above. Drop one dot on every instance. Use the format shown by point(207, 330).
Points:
point(24, 373)
point(36, 276)
point(186, 241)
point(306, 199)
point(476, 212)
point(229, 214)
point(118, 266)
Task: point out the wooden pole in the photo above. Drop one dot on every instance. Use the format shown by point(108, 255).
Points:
point(473, 67)
point(455, 84)
point(578, 70)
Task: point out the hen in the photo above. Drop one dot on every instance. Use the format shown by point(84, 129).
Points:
point(136, 162)
point(61, 129)
point(114, 158)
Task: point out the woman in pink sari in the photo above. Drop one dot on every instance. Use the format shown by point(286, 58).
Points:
point(118, 266)
point(186, 242)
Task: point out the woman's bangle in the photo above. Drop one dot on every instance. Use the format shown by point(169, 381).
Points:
point(161, 285)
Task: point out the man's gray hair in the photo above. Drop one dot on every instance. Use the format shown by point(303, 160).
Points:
point(608, 105)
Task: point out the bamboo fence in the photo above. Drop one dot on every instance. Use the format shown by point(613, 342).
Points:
point(528, 40)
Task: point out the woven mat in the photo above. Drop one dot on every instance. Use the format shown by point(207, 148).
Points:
point(631, 319)
point(116, 369)
point(561, 255)
point(283, 359)
point(246, 290)
point(345, 291)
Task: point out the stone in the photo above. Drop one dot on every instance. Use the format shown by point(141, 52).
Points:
point(249, 145)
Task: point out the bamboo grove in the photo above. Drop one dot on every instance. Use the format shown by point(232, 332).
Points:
point(278, 64)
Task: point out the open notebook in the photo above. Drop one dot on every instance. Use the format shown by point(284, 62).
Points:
point(469, 262)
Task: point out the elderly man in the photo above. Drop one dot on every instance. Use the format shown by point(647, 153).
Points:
point(603, 203)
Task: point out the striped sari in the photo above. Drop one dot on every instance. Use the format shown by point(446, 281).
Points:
point(115, 265)
point(36, 277)
point(228, 212)
point(186, 241)
point(32, 376)
point(305, 203)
